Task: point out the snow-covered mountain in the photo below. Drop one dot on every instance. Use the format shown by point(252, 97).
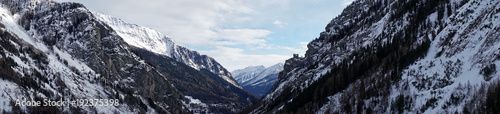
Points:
point(396, 56)
point(258, 79)
point(56, 51)
point(154, 41)
point(62, 51)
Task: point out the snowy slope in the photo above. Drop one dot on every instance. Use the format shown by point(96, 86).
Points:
point(33, 68)
point(253, 74)
point(258, 79)
point(247, 74)
point(62, 51)
point(140, 36)
point(154, 41)
point(213, 93)
point(395, 56)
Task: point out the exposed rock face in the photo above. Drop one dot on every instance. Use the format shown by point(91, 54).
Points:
point(57, 51)
point(156, 42)
point(396, 56)
point(212, 93)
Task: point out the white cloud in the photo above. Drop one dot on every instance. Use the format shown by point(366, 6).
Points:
point(294, 50)
point(279, 23)
point(241, 36)
point(201, 24)
point(301, 50)
point(303, 44)
point(234, 58)
point(346, 2)
point(188, 22)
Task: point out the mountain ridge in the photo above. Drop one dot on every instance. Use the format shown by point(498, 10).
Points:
point(395, 56)
point(258, 79)
point(45, 65)
point(155, 41)
point(54, 51)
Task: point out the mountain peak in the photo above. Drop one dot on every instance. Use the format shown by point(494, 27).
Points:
point(258, 79)
point(154, 41)
point(53, 51)
point(139, 36)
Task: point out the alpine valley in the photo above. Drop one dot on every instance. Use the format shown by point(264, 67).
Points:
point(63, 51)
point(377, 56)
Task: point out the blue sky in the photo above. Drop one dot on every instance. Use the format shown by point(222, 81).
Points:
point(237, 33)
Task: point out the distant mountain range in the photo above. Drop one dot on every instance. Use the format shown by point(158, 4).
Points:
point(258, 80)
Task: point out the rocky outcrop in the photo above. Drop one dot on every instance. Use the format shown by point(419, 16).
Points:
point(395, 56)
